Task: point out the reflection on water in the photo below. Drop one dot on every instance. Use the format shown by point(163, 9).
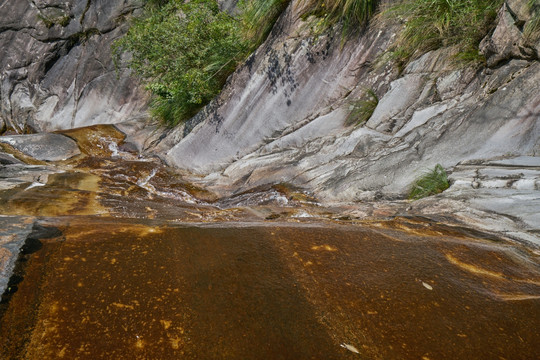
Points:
point(122, 274)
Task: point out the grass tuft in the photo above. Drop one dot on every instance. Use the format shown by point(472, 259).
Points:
point(258, 18)
point(352, 14)
point(532, 28)
point(434, 24)
point(184, 52)
point(431, 183)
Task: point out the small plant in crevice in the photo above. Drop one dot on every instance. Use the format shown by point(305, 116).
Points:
point(362, 109)
point(430, 183)
point(434, 24)
point(49, 22)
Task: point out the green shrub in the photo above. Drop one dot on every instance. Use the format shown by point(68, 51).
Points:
point(431, 183)
point(361, 110)
point(433, 24)
point(184, 52)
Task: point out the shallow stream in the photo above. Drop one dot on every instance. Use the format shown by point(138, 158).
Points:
point(124, 260)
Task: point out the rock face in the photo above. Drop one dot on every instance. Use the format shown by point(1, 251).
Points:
point(56, 66)
point(507, 41)
point(282, 116)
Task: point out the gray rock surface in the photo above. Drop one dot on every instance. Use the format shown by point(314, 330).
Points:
point(45, 146)
point(13, 232)
point(56, 70)
point(291, 80)
point(229, 6)
point(507, 40)
point(281, 119)
point(17, 174)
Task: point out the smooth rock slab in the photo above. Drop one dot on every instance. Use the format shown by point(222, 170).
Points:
point(45, 147)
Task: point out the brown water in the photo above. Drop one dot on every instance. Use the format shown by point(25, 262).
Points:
point(143, 266)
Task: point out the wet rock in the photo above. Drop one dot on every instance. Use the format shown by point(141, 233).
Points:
point(45, 147)
point(431, 113)
point(18, 174)
point(8, 159)
point(13, 233)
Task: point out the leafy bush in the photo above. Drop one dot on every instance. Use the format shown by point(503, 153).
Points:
point(361, 110)
point(432, 24)
point(431, 183)
point(184, 52)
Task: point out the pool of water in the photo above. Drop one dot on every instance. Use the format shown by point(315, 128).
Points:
point(149, 290)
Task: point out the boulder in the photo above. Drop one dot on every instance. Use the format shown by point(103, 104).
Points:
point(507, 41)
point(44, 147)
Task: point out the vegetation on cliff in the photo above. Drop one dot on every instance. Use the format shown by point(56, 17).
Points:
point(430, 183)
point(185, 51)
point(432, 24)
point(352, 14)
point(258, 17)
point(532, 28)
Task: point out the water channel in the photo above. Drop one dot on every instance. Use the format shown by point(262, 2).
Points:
point(125, 260)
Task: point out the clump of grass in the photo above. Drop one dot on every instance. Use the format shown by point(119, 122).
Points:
point(431, 183)
point(258, 18)
point(362, 109)
point(48, 22)
point(185, 50)
point(532, 28)
point(433, 24)
point(352, 14)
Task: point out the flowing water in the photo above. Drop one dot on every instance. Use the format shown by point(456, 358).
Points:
point(126, 261)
